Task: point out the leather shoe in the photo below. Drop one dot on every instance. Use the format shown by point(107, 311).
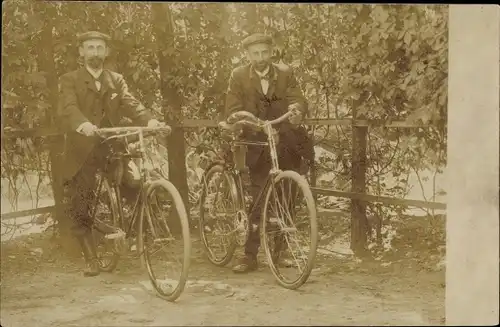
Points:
point(91, 268)
point(90, 256)
point(246, 264)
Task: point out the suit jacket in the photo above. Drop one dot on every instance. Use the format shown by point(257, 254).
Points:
point(80, 101)
point(245, 93)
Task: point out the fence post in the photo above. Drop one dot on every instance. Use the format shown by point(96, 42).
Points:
point(358, 177)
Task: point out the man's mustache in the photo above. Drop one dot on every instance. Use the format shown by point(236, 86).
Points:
point(96, 59)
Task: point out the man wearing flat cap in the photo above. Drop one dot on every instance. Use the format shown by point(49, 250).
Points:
point(92, 97)
point(267, 90)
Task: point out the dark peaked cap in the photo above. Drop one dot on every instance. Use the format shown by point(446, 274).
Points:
point(92, 35)
point(256, 38)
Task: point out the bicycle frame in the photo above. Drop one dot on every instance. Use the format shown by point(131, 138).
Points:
point(145, 178)
point(275, 169)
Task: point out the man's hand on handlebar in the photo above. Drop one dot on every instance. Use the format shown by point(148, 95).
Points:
point(228, 135)
point(155, 123)
point(87, 129)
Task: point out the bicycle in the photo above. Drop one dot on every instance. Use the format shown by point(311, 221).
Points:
point(276, 227)
point(146, 220)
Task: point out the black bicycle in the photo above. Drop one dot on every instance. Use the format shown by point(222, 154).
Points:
point(158, 218)
point(288, 225)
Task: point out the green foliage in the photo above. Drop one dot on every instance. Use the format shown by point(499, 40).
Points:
point(385, 62)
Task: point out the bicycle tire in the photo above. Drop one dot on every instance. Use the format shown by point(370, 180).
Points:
point(311, 208)
point(116, 222)
point(227, 257)
point(182, 215)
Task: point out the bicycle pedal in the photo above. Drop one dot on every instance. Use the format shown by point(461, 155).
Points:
point(115, 236)
point(164, 239)
point(273, 223)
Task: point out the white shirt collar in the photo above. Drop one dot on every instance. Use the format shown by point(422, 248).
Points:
point(264, 73)
point(94, 73)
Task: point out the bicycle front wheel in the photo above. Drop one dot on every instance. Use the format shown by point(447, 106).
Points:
point(164, 239)
point(289, 229)
point(220, 210)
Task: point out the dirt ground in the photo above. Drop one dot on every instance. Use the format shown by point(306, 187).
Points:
point(41, 286)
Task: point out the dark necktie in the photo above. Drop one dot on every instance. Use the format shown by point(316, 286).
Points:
point(98, 82)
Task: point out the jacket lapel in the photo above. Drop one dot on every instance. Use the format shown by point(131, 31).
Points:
point(255, 81)
point(108, 88)
point(107, 82)
point(273, 78)
point(87, 79)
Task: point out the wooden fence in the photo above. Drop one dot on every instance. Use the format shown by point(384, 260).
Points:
point(358, 194)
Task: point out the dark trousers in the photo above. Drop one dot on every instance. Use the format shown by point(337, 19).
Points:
point(288, 160)
point(80, 191)
point(80, 194)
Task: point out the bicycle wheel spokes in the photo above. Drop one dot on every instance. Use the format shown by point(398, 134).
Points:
point(288, 238)
point(106, 211)
point(217, 216)
point(165, 237)
point(290, 232)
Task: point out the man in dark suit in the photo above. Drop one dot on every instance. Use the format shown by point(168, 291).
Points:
point(268, 91)
point(91, 97)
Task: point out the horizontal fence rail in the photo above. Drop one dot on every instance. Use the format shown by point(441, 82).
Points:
point(317, 190)
point(380, 199)
point(197, 123)
point(28, 212)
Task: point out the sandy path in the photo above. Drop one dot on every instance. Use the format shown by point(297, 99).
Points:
point(48, 290)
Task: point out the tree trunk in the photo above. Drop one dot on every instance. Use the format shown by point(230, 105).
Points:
point(46, 64)
point(214, 97)
point(252, 21)
point(172, 109)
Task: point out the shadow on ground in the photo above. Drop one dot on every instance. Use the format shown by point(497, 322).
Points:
point(42, 286)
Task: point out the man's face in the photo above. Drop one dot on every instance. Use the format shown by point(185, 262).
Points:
point(94, 52)
point(259, 55)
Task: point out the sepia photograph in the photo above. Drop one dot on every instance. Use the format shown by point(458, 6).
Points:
point(149, 151)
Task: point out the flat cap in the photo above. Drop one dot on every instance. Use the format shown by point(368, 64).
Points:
point(256, 38)
point(93, 35)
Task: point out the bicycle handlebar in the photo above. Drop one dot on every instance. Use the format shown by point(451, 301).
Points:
point(121, 132)
point(249, 119)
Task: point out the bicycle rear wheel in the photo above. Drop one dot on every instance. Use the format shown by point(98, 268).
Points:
point(219, 208)
point(164, 230)
point(106, 216)
point(289, 229)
